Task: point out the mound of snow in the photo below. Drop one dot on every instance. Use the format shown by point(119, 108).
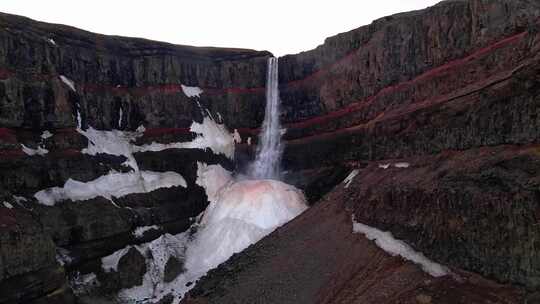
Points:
point(387, 242)
point(240, 214)
point(244, 213)
point(111, 185)
point(213, 179)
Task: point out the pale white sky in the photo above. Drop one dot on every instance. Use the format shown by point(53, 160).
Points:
point(280, 26)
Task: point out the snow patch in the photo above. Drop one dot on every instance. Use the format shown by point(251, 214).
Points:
point(139, 232)
point(110, 262)
point(68, 82)
point(402, 165)
point(249, 141)
point(7, 205)
point(192, 91)
point(213, 179)
point(213, 136)
point(111, 185)
point(46, 134)
point(348, 180)
point(157, 253)
point(210, 135)
point(384, 166)
point(31, 152)
point(113, 142)
point(236, 137)
point(387, 242)
point(63, 256)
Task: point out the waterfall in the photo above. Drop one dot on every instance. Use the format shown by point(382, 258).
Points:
point(269, 149)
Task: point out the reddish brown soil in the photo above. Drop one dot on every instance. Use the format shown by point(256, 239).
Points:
point(318, 259)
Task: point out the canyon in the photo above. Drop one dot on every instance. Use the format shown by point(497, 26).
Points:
point(435, 111)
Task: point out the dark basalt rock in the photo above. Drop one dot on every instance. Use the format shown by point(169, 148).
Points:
point(173, 268)
point(130, 272)
point(445, 205)
point(113, 73)
point(26, 247)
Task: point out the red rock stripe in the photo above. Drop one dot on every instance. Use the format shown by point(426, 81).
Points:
point(359, 105)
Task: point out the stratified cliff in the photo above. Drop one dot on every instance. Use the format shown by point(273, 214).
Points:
point(453, 91)
point(437, 110)
point(58, 85)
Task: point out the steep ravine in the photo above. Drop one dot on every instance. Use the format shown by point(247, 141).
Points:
point(451, 91)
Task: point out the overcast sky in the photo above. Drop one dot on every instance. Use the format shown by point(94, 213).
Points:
point(280, 26)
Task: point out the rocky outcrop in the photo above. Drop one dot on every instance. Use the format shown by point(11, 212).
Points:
point(29, 271)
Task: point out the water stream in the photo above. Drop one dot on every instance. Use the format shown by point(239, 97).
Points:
point(268, 158)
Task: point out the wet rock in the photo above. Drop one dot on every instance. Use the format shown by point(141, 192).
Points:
point(25, 246)
point(173, 268)
point(130, 272)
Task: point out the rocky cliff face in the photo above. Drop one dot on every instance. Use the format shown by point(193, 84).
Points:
point(57, 82)
point(438, 112)
point(449, 94)
point(140, 77)
point(440, 85)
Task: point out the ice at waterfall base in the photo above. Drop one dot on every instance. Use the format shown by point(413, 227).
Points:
point(240, 213)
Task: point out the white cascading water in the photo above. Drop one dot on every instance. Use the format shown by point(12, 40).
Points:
point(268, 158)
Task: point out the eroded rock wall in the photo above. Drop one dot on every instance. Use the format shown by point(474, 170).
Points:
point(56, 81)
point(459, 78)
